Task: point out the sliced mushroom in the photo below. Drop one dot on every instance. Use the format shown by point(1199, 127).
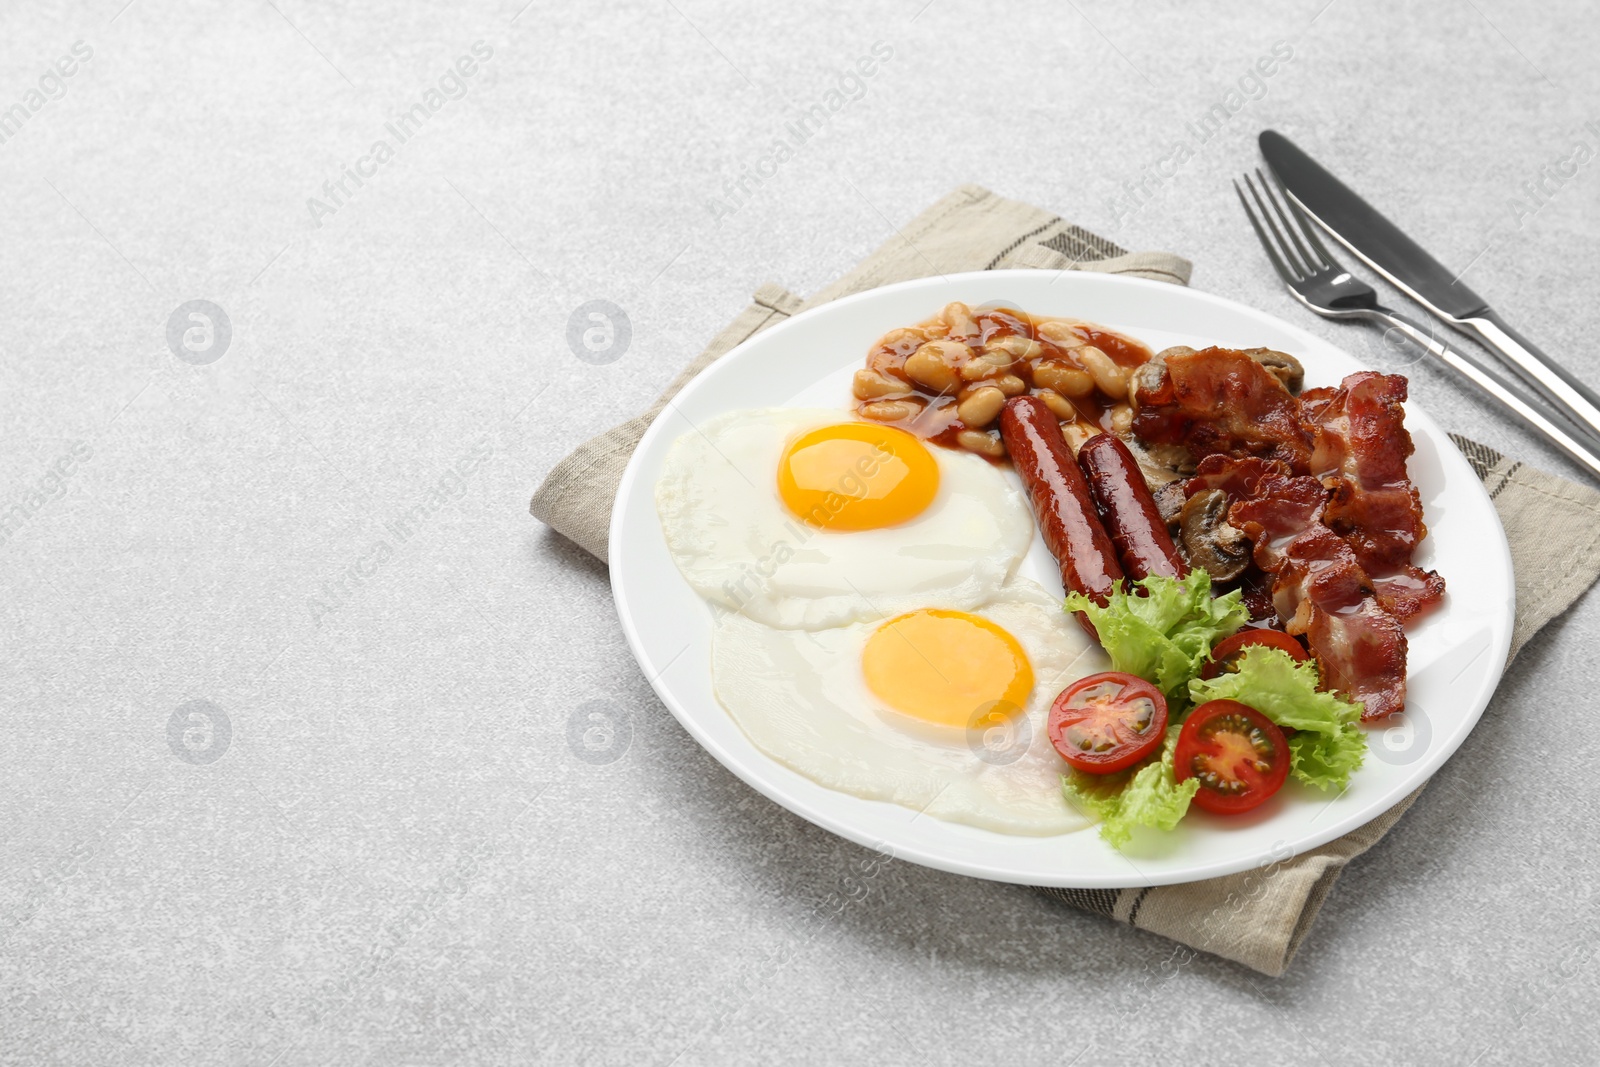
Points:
point(1169, 502)
point(1160, 463)
point(1283, 366)
point(1209, 540)
point(1147, 379)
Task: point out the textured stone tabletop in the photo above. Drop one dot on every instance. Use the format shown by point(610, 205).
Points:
point(289, 673)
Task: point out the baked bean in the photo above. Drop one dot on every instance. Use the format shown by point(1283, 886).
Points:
point(1076, 433)
point(1059, 405)
point(985, 444)
point(959, 318)
point(1063, 377)
point(1011, 385)
point(976, 370)
point(885, 362)
point(981, 407)
point(1062, 333)
point(870, 385)
point(909, 336)
point(1122, 418)
point(1109, 378)
point(948, 349)
point(892, 410)
point(933, 366)
point(1012, 348)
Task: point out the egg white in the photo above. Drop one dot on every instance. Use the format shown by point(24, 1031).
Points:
point(741, 548)
point(801, 697)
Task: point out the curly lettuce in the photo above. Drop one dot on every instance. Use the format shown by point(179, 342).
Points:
point(1328, 744)
point(1147, 796)
point(1164, 628)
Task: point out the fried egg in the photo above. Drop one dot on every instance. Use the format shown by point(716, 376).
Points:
point(940, 710)
point(808, 519)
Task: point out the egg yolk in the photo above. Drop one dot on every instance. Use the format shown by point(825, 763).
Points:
point(948, 668)
point(857, 476)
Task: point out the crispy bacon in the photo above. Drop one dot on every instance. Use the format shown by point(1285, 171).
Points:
point(1360, 447)
point(1312, 401)
point(1238, 476)
point(1280, 509)
point(1319, 586)
point(1220, 401)
point(1319, 485)
point(1359, 645)
point(1409, 591)
point(1240, 479)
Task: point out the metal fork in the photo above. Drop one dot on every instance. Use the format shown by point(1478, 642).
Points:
point(1317, 280)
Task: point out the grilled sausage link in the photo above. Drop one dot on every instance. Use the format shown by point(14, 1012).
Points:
point(1128, 509)
point(1061, 500)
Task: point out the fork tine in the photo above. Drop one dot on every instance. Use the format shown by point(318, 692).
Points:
point(1296, 270)
point(1266, 242)
point(1312, 266)
point(1308, 228)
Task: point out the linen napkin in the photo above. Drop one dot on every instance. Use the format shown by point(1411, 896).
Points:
point(1260, 917)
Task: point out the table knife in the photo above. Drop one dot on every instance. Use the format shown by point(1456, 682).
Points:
point(1384, 247)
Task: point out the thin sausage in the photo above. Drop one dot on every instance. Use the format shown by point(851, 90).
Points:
point(1128, 509)
point(1061, 500)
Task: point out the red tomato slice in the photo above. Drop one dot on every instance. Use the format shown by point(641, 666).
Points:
point(1239, 755)
point(1224, 656)
point(1108, 722)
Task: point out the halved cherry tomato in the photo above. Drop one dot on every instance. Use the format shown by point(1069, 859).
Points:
point(1239, 755)
point(1108, 722)
point(1223, 656)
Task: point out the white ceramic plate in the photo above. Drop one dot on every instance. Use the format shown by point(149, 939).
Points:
point(1456, 655)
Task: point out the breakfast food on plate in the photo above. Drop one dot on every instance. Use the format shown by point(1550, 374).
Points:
point(1227, 734)
point(1239, 553)
point(940, 711)
point(1318, 485)
point(1132, 518)
point(1061, 499)
point(1108, 722)
point(947, 378)
point(875, 638)
point(1298, 507)
point(1188, 645)
point(810, 518)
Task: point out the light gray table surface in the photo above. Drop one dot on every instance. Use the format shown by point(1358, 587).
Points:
point(384, 849)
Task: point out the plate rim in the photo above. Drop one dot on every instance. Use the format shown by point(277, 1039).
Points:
point(1500, 641)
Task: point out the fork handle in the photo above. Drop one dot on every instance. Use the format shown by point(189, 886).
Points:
point(1495, 390)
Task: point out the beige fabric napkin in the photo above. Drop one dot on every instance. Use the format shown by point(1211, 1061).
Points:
point(1260, 917)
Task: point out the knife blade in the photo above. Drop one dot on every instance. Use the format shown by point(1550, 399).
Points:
point(1387, 249)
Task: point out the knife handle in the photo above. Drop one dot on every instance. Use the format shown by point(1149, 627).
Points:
point(1569, 396)
point(1581, 450)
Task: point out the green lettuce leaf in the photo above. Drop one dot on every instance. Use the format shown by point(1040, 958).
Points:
point(1165, 635)
point(1330, 744)
point(1326, 760)
point(1146, 796)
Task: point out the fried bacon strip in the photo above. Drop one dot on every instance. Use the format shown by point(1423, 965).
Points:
point(1408, 591)
point(1360, 448)
point(1359, 644)
point(1219, 400)
point(1319, 587)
